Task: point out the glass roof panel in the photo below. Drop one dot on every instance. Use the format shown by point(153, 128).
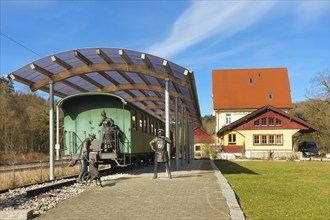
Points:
point(153, 81)
point(149, 102)
point(35, 77)
point(150, 93)
point(123, 94)
point(82, 83)
point(177, 70)
point(137, 92)
point(139, 104)
point(100, 79)
point(135, 57)
point(184, 91)
point(116, 76)
point(135, 77)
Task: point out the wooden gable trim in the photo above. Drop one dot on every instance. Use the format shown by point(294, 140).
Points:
point(290, 122)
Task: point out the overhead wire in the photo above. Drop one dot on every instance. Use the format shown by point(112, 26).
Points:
point(11, 39)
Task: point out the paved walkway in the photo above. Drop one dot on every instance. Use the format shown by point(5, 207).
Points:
point(195, 192)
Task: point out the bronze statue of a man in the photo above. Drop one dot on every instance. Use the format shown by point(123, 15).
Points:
point(108, 130)
point(158, 144)
point(85, 149)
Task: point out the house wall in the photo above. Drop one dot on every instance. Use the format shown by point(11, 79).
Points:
point(235, 115)
point(287, 140)
point(239, 138)
point(220, 116)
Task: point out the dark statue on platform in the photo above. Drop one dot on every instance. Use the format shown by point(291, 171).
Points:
point(84, 157)
point(158, 144)
point(108, 131)
point(93, 174)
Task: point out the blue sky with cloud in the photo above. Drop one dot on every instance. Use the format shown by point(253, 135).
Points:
point(198, 35)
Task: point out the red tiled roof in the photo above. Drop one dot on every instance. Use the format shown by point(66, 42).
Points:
point(201, 136)
point(251, 88)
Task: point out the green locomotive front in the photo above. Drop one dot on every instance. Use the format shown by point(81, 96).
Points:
point(133, 131)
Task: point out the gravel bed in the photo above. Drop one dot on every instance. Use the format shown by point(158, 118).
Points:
point(16, 199)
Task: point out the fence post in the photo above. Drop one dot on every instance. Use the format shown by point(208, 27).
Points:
point(14, 178)
point(40, 171)
point(62, 167)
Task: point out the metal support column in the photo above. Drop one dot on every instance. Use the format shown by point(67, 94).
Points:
point(51, 131)
point(192, 144)
point(192, 147)
point(57, 145)
point(187, 139)
point(167, 118)
point(176, 135)
point(182, 136)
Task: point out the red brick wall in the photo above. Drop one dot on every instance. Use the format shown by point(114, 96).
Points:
point(232, 149)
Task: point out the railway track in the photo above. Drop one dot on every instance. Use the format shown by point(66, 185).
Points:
point(69, 180)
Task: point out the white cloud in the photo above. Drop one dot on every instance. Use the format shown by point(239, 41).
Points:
point(309, 12)
point(220, 55)
point(205, 19)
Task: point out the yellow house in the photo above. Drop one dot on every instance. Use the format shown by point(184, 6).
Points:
point(265, 133)
point(238, 92)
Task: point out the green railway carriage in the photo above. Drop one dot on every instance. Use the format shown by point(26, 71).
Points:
point(134, 128)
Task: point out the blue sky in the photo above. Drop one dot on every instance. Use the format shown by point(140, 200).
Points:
point(198, 35)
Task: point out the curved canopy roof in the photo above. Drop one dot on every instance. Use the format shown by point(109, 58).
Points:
point(138, 78)
point(62, 101)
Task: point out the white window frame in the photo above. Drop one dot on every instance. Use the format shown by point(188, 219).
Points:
point(228, 118)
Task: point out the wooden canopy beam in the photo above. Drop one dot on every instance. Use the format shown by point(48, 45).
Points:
point(109, 78)
point(82, 58)
point(163, 107)
point(104, 56)
point(75, 71)
point(60, 62)
point(146, 98)
point(41, 70)
point(143, 87)
point(92, 81)
point(146, 60)
point(125, 57)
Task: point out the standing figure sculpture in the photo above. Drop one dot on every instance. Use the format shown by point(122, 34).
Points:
point(85, 149)
point(108, 130)
point(158, 144)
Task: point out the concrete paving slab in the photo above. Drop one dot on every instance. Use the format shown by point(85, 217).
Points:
point(194, 192)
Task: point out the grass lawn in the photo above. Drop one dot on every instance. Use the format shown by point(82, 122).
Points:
point(280, 190)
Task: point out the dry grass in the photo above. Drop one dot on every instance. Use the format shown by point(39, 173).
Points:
point(18, 158)
point(21, 178)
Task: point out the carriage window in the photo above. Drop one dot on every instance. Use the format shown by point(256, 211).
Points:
point(155, 128)
point(134, 120)
point(140, 122)
point(152, 127)
point(145, 124)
